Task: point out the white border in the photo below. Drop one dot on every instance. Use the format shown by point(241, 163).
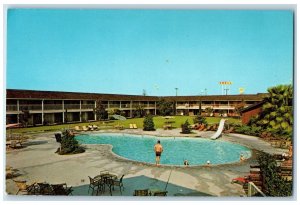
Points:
point(208, 4)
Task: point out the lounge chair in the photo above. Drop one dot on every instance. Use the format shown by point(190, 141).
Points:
point(95, 127)
point(130, 126)
point(231, 129)
point(77, 128)
point(143, 192)
point(214, 127)
point(208, 128)
point(134, 126)
point(201, 127)
point(85, 128)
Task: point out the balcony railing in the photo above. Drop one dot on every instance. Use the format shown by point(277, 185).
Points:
point(30, 107)
point(87, 106)
point(114, 105)
point(11, 107)
point(125, 105)
point(72, 106)
point(53, 107)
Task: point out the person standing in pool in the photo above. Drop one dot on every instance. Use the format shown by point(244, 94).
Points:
point(158, 149)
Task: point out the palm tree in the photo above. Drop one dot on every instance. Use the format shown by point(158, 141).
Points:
point(276, 114)
point(209, 111)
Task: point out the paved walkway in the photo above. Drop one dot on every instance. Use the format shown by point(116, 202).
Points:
point(37, 162)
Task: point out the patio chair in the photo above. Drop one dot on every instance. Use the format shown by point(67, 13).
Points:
point(143, 192)
point(130, 126)
point(22, 186)
point(25, 188)
point(95, 184)
point(160, 193)
point(62, 189)
point(134, 126)
point(45, 189)
point(118, 183)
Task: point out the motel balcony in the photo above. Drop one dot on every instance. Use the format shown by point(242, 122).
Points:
point(87, 106)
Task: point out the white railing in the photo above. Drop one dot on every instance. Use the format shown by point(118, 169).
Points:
point(11, 107)
point(52, 106)
point(72, 106)
point(253, 190)
point(87, 106)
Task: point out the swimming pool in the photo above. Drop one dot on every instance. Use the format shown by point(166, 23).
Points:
point(176, 149)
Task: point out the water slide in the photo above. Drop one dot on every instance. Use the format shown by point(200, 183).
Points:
point(220, 129)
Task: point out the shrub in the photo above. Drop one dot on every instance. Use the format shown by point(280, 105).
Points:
point(69, 145)
point(273, 183)
point(186, 127)
point(148, 123)
point(247, 130)
point(200, 119)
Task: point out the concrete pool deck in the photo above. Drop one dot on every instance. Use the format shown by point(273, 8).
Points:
point(38, 162)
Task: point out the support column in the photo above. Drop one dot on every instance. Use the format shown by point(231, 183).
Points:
point(80, 118)
point(63, 108)
point(18, 109)
point(42, 111)
point(155, 108)
point(95, 115)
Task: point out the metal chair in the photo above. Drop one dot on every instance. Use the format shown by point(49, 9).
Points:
point(62, 189)
point(143, 192)
point(96, 183)
point(160, 193)
point(118, 183)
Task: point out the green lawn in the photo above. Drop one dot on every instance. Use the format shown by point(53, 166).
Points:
point(159, 121)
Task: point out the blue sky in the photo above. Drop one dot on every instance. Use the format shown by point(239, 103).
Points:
point(126, 51)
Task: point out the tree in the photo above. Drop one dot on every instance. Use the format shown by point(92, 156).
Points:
point(200, 119)
point(144, 92)
point(277, 112)
point(25, 116)
point(165, 107)
point(69, 145)
point(66, 115)
point(148, 123)
point(139, 111)
point(238, 107)
point(200, 107)
point(99, 110)
point(186, 128)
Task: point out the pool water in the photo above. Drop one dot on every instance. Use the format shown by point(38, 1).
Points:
point(176, 149)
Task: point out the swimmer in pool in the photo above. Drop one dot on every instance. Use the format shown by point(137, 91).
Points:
point(158, 149)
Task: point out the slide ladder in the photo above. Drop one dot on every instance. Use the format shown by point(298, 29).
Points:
point(220, 129)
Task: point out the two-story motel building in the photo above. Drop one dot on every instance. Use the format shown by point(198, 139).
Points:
point(51, 107)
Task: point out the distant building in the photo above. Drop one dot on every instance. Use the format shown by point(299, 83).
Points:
point(251, 111)
point(52, 107)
